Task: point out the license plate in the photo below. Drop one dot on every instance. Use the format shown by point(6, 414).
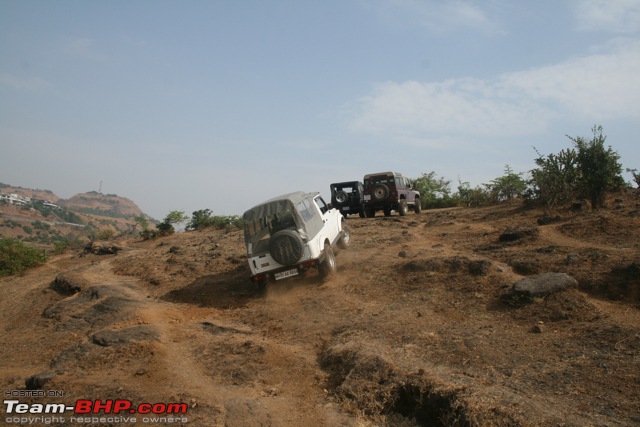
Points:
point(285, 274)
point(367, 197)
point(346, 208)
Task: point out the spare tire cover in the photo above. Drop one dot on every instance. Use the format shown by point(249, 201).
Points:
point(380, 192)
point(286, 247)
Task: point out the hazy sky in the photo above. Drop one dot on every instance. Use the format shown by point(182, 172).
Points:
point(188, 105)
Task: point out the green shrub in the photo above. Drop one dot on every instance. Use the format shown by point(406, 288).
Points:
point(636, 176)
point(105, 234)
point(507, 187)
point(204, 218)
point(555, 180)
point(472, 197)
point(588, 171)
point(148, 234)
point(60, 246)
point(39, 225)
point(600, 171)
point(16, 257)
point(435, 192)
point(143, 222)
point(165, 229)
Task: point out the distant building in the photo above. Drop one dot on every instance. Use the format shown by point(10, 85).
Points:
point(15, 199)
point(47, 203)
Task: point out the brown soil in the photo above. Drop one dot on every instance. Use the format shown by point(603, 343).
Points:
point(417, 328)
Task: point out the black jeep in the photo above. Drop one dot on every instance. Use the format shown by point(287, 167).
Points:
point(347, 197)
point(389, 191)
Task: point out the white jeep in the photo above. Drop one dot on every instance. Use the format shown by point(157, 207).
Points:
point(287, 235)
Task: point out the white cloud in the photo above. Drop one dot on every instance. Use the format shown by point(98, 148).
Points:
point(619, 16)
point(463, 106)
point(600, 86)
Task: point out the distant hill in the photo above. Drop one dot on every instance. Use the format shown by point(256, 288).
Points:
point(42, 218)
point(29, 192)
point(109, 205)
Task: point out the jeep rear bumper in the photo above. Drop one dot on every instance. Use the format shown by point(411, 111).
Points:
point(285, 272)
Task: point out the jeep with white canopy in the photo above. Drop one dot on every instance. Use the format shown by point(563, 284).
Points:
point(289, 234)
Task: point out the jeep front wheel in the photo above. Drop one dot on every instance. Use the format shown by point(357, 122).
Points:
point(345, 238)
point(286, 247)
point(328, 265)
point(418, 206)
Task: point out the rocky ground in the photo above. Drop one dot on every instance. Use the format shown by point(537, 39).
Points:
point(420, 326)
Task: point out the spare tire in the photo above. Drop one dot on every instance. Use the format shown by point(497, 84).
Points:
point(286, 247)
point(380, 192)
point(341, 197)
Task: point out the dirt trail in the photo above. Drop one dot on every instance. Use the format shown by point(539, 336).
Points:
point(555, 236)
point(417, 328)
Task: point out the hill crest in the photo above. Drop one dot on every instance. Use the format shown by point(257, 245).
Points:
point(103, 204)
point(91, 202)
point(41, 217)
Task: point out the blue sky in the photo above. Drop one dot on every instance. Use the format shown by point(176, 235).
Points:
point(188, 105)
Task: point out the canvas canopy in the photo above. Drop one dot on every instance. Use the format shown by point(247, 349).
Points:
point(294, 211)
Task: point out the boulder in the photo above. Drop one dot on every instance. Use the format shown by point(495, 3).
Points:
point(102, 248)
point(513, 234)
point(37, 381)
point(541, 285)
point(69, 283)
point(138, 333)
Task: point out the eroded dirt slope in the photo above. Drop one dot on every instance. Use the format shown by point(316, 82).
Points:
point(418, 327)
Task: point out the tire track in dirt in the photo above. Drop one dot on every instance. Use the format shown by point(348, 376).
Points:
point(194, 341)
point(556, 236)
point(175, 375)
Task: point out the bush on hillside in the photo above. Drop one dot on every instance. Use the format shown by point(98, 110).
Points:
point(16, 257)
point(555, 179)
point(434, 192)
point(508, 186)
point(600, 171)
point(166, 226)
point(473, 197)
point(636, 176)
point(587, 171)
point(204, 218)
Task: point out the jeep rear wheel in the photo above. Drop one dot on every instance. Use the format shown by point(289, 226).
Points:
point(402, 207)
point(286, 247)
point(380, 192)
point(328, 265)
point(418, 206)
